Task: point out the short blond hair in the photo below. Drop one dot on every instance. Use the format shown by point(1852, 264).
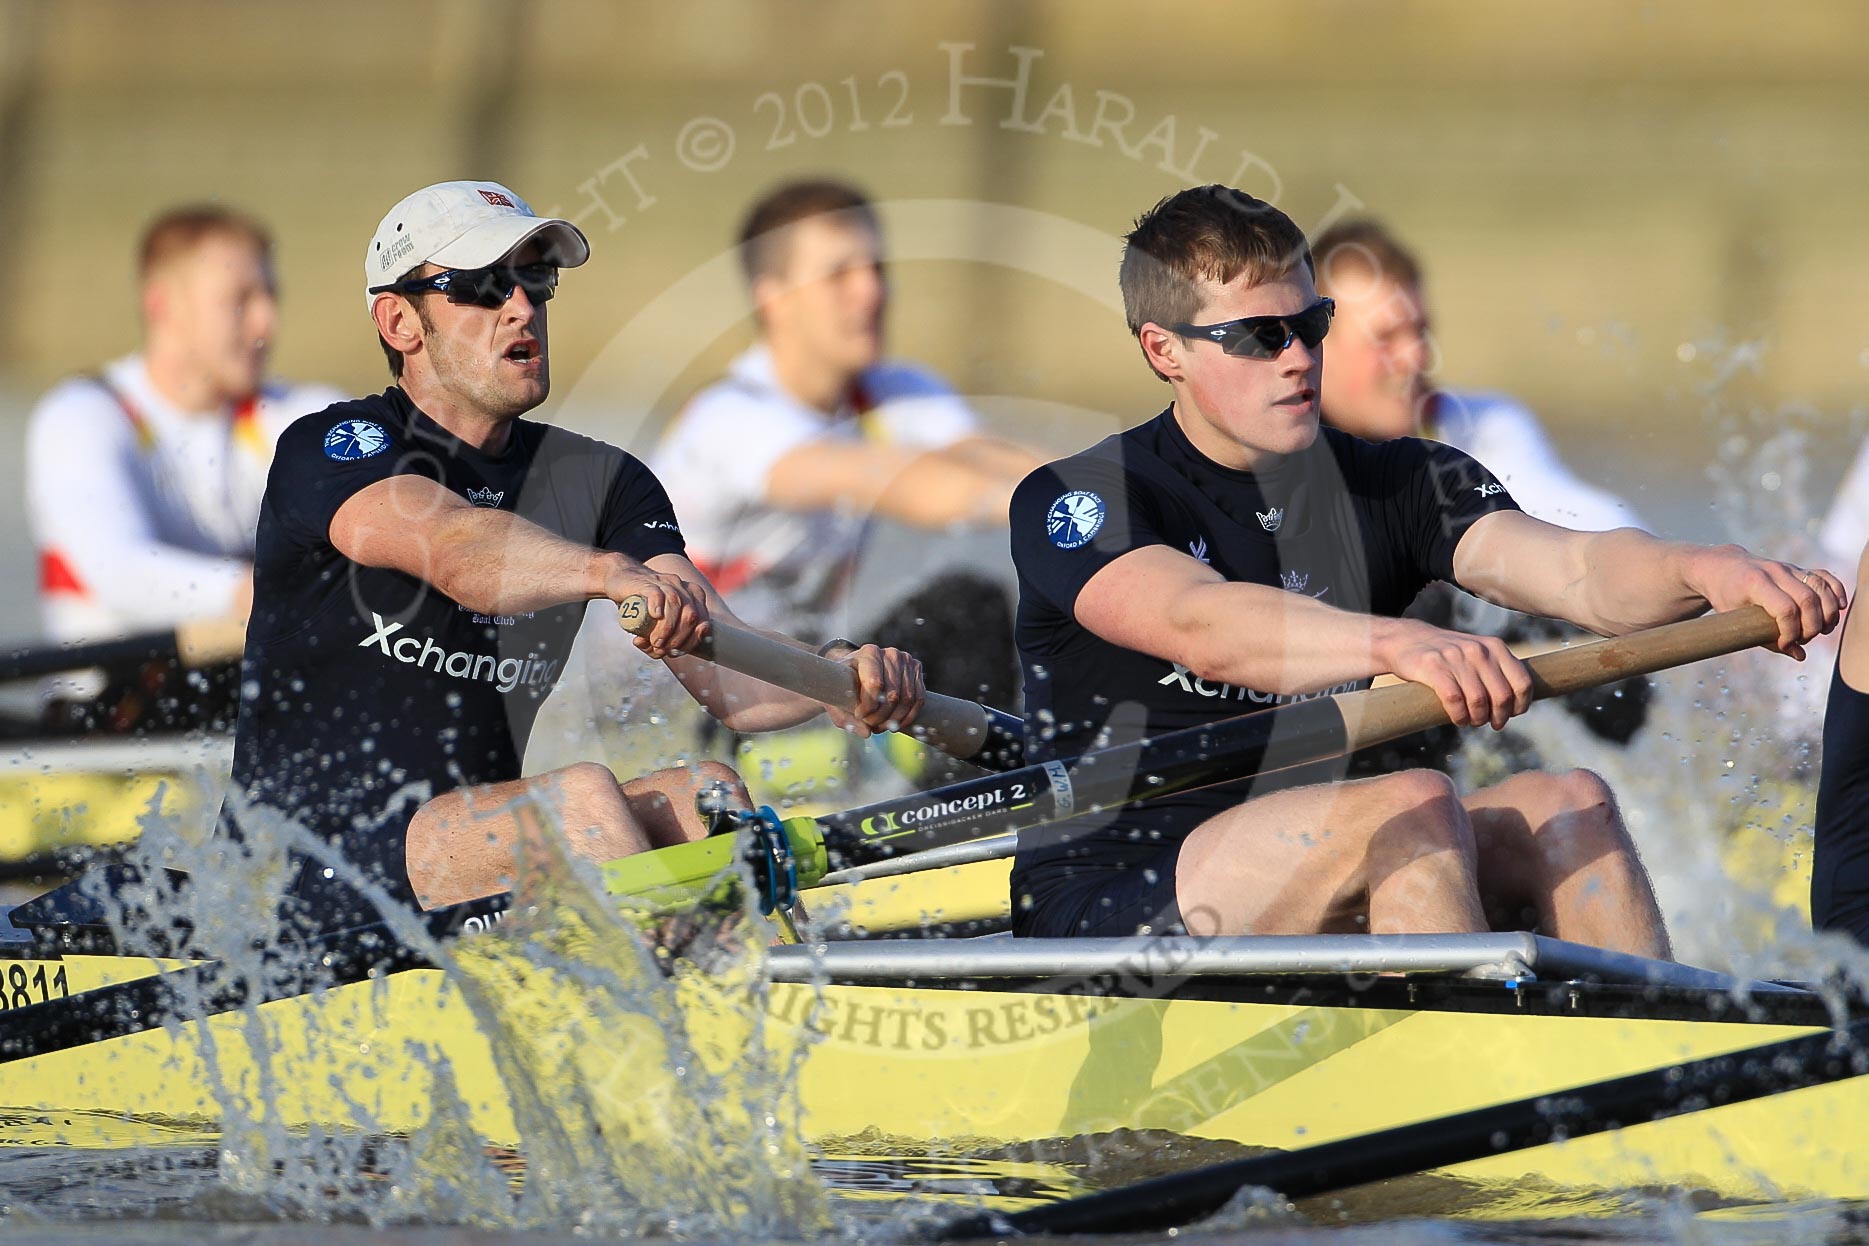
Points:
point(178, 231)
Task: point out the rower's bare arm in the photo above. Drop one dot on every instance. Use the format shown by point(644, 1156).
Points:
point(1853, 651)
point(889, 681)
point(924, 489)
point(1622, 580)
point(494, 562)
point(1007, 460)
point(1161, 602)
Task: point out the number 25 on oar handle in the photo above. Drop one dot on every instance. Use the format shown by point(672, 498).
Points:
point(987, 737)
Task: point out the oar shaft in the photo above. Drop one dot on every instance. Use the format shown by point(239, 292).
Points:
point(1265, 742)
point(987, 737)
point(191, 644)
point(1052, 791)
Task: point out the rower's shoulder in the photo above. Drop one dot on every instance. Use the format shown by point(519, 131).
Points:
point(81, 404)
point(1358, 458)
point(895, 380)
point(291, 400)
point(736, 396)
point(1096, 468)
point(313, 427)
point(1466, 418)
point(556, 444)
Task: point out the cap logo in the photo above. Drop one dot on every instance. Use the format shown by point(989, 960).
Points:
point(498, 200)
point(402, 246)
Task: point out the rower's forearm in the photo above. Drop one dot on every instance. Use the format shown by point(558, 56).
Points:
point(1629, 580)
point(1003, 460)
point(494, 562)
point(1269, 640)
point(740, 702)
point(939, 489)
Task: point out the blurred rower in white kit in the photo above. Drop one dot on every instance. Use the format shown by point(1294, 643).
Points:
point(143, 480)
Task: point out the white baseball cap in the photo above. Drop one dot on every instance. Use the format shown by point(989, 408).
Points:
point(463, 225)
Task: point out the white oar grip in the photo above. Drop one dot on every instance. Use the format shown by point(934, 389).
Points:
point(958, 728)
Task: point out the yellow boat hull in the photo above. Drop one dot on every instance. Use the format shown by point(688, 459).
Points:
point(916, 1071)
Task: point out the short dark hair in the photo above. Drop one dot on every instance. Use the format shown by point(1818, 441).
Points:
point(178, 231)
point(1365, 245)
point(1204, 233)
point(763, 234)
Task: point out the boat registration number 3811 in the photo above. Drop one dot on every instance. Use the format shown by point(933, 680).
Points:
point(21, 987)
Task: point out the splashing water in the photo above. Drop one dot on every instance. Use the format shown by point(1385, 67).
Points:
point(636, 1092)
point(1718, 788)
point(644, 1088)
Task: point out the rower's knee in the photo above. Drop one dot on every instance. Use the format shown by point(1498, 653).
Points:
point(1578, 821)
point(1426, 794)
point(1415, 812)
point(1583, 791)
point(588, 787)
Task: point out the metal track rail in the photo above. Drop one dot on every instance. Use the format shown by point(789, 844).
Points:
point(1508, 957)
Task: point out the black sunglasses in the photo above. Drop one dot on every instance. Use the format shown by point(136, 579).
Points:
point(482, 287)
point(1266, 337)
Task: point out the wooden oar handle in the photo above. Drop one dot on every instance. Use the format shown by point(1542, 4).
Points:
point(1382, 714)
point(958, 728)
point(203, 642)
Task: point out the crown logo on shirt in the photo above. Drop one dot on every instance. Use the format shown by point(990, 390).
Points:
point(1294, 581)
point(485, 497)
point(1270, 520)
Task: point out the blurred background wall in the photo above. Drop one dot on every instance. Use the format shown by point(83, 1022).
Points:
point(1643, 219)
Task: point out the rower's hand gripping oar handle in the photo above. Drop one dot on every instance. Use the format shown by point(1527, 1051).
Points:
point(1379, 715)
point(963, 729)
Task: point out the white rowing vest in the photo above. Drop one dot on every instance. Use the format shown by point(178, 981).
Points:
point(142, 515)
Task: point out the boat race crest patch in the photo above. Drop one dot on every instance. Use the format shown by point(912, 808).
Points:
point(355, 439)
point(1074, 518)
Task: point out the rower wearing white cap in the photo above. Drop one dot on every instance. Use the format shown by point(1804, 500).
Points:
point(425, 558)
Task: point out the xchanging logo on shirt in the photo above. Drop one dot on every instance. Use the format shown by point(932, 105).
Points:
point(1190, 682)
point(1074, 518)
point(355, 439)
point(504, 673)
